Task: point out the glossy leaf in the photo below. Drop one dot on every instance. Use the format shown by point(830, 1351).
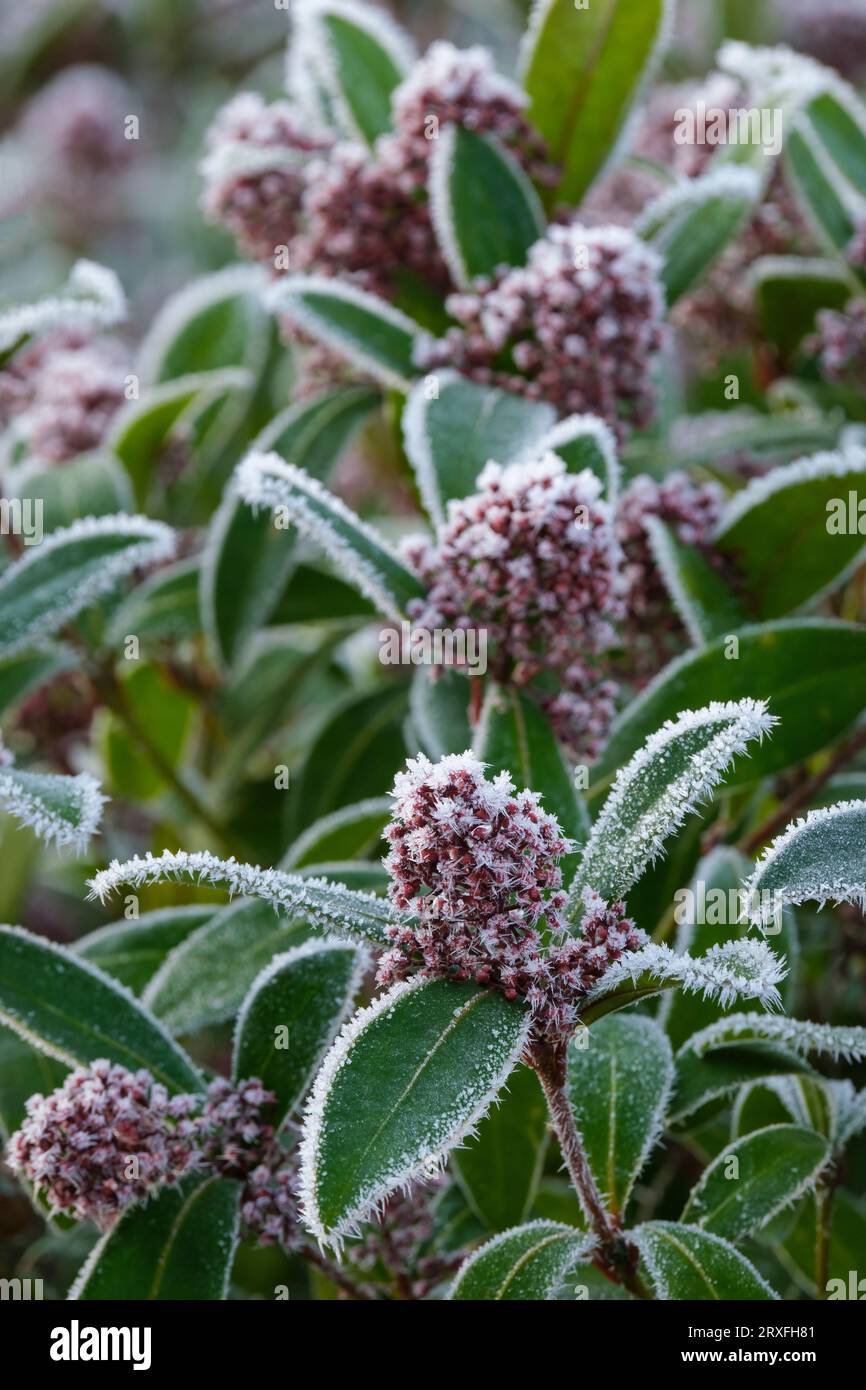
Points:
point(528, 1263)
point(500, 1170)
point(406, 1080)
point(686, 1263)
point(368, 332)
point(751, 1180)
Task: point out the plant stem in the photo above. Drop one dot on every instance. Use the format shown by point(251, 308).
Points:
point(616, 1259)
point(804, 793)
point(823, 1224)
point(111, 691)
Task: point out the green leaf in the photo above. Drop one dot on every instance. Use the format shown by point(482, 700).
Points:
point(356, 753)
point(705, 604)
point(307, 992)
point(751, 1180)
point(790, 532)
point(847, 1243)
point(783, 662)
point(528, 1263)
point(619, 1079)
point(164, 608)
point(719, 1073)
point(826, 154)
point(586, 441)
point(247, 560)
point(366, 331)
point(686, 1263)
point(26, 670)
point(132, 951)
point(212, 323)
point(514, 736)
point(485, 210)
point(326, 906)
point(790, 290)
point(53, 582)
point(69, 1009)
point(677, 768)
point(61, 810)
point(821, 858)
point(440, 712)
point(407, 1079)
point(583, 69)
point(264, 480)
point(450, 436)
point(351, 832)
point(315, 596)
point(690, 224)
point(91, 485)
point(800, 1036)
point(179, 1246)
point(500, 1170)
point(142, 428)
point(205, 978)
point(363, 57)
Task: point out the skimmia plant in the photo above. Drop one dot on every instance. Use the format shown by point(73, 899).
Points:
point(483, 554)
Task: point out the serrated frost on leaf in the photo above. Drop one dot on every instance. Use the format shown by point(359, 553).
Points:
point(313, 51)
point(549, 1232)
point(619, 848)
point(727, 181)
point(156, 542)
point(92, 297)
point(673, 1232)
point(820, 876)
point(836, 463)
point(286, 296)
point(408, 1168)
point(741, 969)
point(20, 797)
point(266, 480)
point(798, 1035)
point(328, 906)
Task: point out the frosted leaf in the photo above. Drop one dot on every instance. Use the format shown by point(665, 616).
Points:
point(61, 810)
point(328, 906)
point(92, 298)
point(312, 62)
point(355, 548)
point(851, 1117)
point(725, 181)
point(741, 969)
point(820, 857)
point(55, 581)
point(829, 464)
point(528, 1262)
point(665, 781)
point(798, 1035)
point(286, 296)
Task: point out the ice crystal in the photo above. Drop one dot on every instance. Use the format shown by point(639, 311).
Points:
point(798, 1035)
point(818, 857)
point(582, 321)
point(61, 810)
point(326, 905)
point(667, 780)
point(741, 969)
point(92, 298)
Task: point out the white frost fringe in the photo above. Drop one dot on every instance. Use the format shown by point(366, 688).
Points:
point(742, 969)
point(19, 797)
point(800, 1035)
point(92, 296)
point(802, 883)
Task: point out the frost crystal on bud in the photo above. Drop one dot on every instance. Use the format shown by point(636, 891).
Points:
point(254, 171)
point(107, 1138)
point(479, 863)
point(582, 320)
point(452, 86)
point(233, 1138)
point(839, 342)
point(532, 559)
point(61, 393)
